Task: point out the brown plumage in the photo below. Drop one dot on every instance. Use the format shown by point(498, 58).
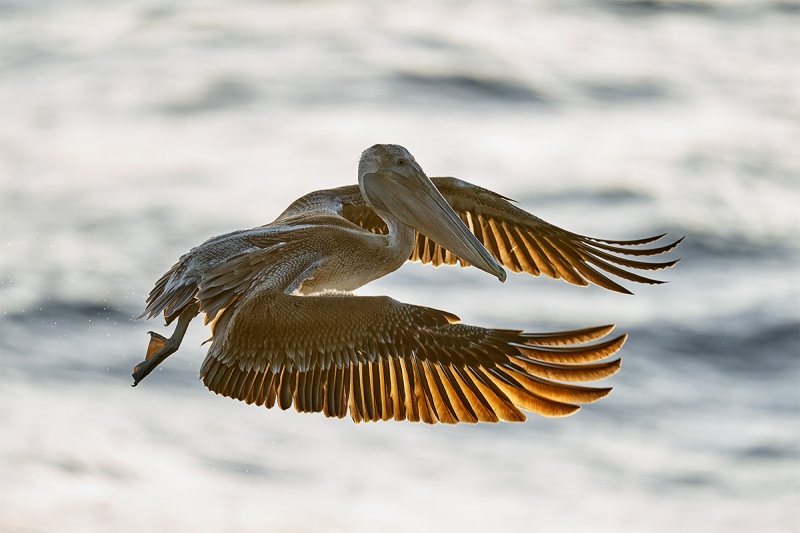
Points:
point(284, 332)
point(522, 242)
point(401, 362)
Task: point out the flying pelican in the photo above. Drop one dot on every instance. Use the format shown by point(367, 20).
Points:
point(286, 330)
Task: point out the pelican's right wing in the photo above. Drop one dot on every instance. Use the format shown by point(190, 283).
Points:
point(381, 359)
point(523, 242)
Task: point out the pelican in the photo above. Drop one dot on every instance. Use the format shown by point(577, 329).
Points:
point(287, 330)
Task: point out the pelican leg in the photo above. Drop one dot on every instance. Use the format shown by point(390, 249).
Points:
point(160, 347)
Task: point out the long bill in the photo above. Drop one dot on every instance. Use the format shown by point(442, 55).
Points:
point(418, 203)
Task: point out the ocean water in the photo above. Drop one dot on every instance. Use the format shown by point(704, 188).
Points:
point(132, 131)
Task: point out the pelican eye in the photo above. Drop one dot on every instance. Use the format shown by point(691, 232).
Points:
point(401, 162)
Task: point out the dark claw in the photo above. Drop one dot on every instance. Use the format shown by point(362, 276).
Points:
point(156, 335)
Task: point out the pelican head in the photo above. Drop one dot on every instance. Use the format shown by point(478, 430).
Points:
point(395, 186)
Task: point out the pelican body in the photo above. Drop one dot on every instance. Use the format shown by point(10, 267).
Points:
point(287, 330)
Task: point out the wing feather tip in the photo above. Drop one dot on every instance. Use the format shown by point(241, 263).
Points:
point(568, 411)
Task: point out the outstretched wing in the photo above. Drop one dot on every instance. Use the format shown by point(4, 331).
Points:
point(523, 242)
point(381, 359)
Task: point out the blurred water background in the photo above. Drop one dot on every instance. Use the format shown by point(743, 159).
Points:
point(132, 131)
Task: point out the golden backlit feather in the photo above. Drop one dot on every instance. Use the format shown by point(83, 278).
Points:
point(523, 242)
point(436, 371)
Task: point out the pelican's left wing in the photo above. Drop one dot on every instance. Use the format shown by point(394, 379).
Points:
point(381, 359)
point(523, 242)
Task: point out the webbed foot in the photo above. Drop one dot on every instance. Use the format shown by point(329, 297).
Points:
point(161, 347)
